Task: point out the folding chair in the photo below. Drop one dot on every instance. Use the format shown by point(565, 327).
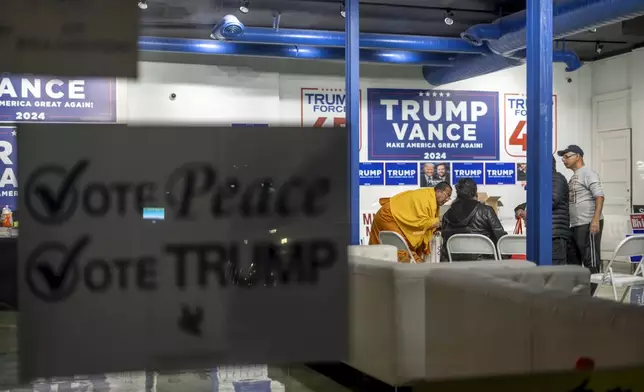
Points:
point(631, 246)
point(511, 244)
point(395, 239)
point(472, 244)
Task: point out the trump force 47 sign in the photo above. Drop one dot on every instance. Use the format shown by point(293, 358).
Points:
point(515, 124)
point(325, 107)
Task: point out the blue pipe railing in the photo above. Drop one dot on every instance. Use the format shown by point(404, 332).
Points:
point(465, 68)
point(508, 34)
point(194, 46)
point(337, 38)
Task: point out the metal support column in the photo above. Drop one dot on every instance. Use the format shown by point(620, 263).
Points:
point(539, 122)
point(352, 74)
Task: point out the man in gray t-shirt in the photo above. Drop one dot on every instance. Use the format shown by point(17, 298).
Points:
point(586, 199)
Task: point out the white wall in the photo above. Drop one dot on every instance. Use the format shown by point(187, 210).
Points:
point(618, 92)
point(229, 90)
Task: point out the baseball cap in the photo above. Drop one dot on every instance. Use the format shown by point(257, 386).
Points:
point(571, 148)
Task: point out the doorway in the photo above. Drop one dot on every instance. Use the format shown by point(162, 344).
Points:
point(613, 163)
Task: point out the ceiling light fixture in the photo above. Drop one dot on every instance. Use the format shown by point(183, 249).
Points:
point(599, 47)
point(343, 10)
point(143, 4)
point(244, 6)
point(449, 18)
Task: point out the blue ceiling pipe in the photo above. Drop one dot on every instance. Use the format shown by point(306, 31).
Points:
point(508, 34)
point(196, 46)
point(467, 67)
point(231, 29)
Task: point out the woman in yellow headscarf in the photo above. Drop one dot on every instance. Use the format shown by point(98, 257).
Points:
point(414, 215)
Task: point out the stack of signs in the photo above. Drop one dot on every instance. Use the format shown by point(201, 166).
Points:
point(637, 223)
point(230, 234)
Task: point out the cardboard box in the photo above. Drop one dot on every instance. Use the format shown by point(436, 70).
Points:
point(492, 201)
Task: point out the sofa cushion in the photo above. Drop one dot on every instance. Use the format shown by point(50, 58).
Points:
point(566, 278)
point(381, 252)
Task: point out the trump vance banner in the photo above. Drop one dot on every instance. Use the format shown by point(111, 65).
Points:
point(415, 125)
point(26, 98)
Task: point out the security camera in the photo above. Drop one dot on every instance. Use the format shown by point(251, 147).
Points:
point(173, 96)
point(569, 80)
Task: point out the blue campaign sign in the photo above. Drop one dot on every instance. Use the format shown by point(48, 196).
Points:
point(413, 125)
point(372, 173)
point(8, 168)
point(401, 174)
point(48, 99)
point(473, 170)
point(500, 173)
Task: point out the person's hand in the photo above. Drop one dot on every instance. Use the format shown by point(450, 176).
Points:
point(594, 226)
point(519, 214)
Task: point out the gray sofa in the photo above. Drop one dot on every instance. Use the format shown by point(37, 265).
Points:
point(387, 332)
point(514, 325)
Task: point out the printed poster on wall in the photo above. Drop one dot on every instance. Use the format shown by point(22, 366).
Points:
point(500, 173)
point(401, 174)
point(8, 168)
point(365, 225)
point(57, 100)
point(325, 107)
point(413, 125)
point(432, 173)
point(372, 173)
point(473, 170)
point(515, 128)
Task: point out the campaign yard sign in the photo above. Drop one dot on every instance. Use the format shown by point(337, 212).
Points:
point(500, 173)
point(401, 174)
point(372, 173)
point(515, 124)
point(57, 100)
point(473, 170)
point(413, 125)
point(325, 107)
point(8, 168)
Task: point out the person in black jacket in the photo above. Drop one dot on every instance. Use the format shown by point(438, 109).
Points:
point(469, 216)
point(561, 233)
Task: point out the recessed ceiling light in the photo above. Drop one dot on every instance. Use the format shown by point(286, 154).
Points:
point(244, 6)
point(143, 4)
point(449, 18)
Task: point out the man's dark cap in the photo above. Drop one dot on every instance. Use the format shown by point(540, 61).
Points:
point(571, 148)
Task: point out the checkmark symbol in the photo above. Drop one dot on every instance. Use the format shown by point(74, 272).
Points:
point(54, 201)
point(56, 276)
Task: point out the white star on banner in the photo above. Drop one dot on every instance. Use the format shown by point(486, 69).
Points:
point(434, 93)
point(420, 94)
point(447, 94)
point(13, 133)
point(427, 94)
point(441, 94)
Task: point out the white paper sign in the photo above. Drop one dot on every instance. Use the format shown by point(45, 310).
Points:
point(69, 37)
point(175, 248)
point(515, 124)
point(325, 107)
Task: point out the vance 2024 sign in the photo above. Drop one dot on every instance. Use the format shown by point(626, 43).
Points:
point(415, 125)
